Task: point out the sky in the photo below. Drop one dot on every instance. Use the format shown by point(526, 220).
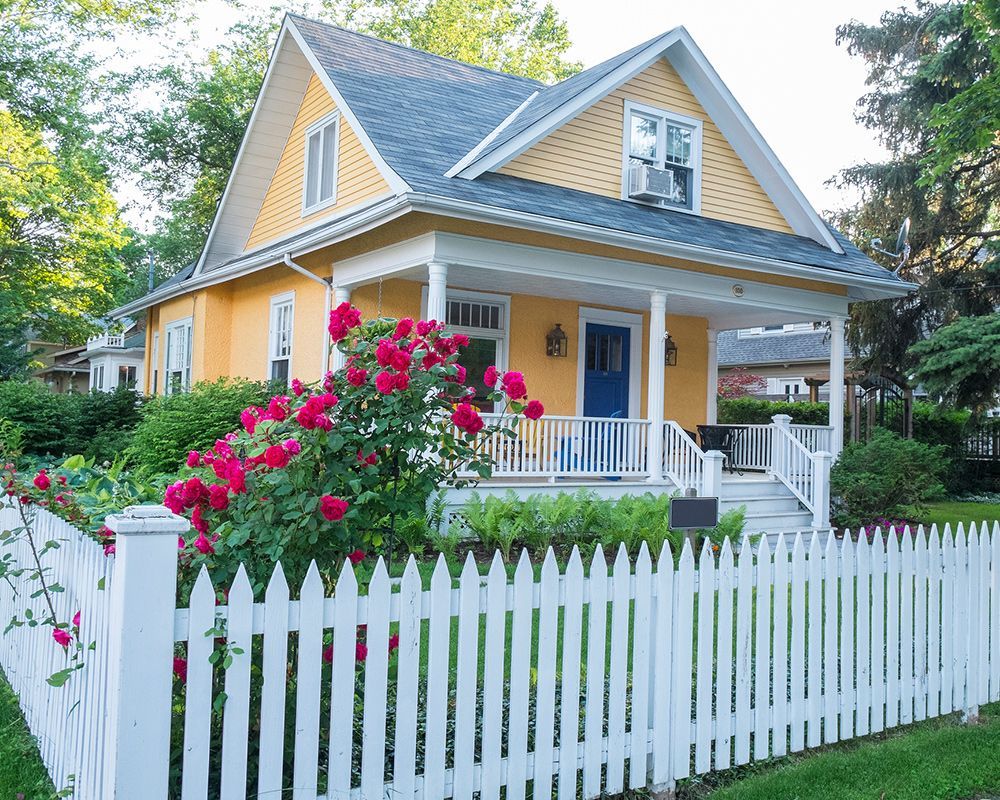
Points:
point(779, 58)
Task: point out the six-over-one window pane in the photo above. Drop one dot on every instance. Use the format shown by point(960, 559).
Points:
point(321, 165)
point(177, 367)
point(280, 339)
point(666, 144)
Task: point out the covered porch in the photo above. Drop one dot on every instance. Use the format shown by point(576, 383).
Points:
point(623, 413)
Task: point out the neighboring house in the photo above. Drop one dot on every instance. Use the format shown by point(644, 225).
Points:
point(58, 366)
point(793, 359)
point(117, 359)
point(632, 200)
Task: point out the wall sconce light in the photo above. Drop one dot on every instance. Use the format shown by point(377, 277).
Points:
point(556, 343)
point(670, 352)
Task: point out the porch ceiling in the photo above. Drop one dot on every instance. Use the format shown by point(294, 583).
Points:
point(721, 314)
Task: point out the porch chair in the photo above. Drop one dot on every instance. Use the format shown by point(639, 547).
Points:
point(721, 438)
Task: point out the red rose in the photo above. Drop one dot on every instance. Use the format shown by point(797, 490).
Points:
point(63, 638)
point(42, 481)
point(360, 651)
point(534, 410)
point(357, 376)
point(328, 654)
point(276, 456)
point(400, 361)
point(181, 669)
point(385, 382)
point(402, 381)
point(393, 642)
point(328, 400)
point(297, 387)
point(333, 508)
point(467, 419)
point(356, 557)
point(203, 545)
point(490, 376)
point(306, 418)
point(424, 327)
point(218, 496)
point(193, 459)
point(384, 352)
point(403, 328)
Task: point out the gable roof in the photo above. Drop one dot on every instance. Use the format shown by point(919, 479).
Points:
point(419, 114)
point(778, 348)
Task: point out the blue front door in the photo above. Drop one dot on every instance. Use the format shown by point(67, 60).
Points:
point(606, 371)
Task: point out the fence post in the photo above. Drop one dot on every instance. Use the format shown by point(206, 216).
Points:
point(713, 473)
point(779, 423)
point(143, 599)
point(821, 463)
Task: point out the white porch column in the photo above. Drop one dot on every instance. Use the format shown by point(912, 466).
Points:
point(437, 279)
point(655, 389)
point(341, 294)
point(837, 385)
point(712, 399)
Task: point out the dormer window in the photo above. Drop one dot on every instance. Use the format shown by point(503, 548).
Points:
point(320, 185)
point(662, 158)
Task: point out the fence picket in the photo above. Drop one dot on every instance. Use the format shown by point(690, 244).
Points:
point(438, 656)
point(467, 669)
point(906, 635)
point(960, 622)
point(404, 763)
point(947, 620)
point(920, 625)
point(545, 686)
point(680, 693)
point(275, 672)
point(569, 704)
point(863, 695)
point(933, 622)
point(848, 669)
point(724, 660)
point(597, 627)
point(706, 642)
point(814, 633)
point(797, 655)
point(662, 668)
point(621, 576)
point(305, 769)
point(493, 678)
point(831, 677)
point(779, 650)
point(982, 632)
point(520, 680)
point(744, 625)
point(892, 606)
point(762, 654)
point(236, 716)
point(639, 689)
point(995, 613)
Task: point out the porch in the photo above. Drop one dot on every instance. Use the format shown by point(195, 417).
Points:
point(779, 471)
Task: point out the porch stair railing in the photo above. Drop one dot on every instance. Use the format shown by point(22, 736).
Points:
point(687, 465)
point(805, 473)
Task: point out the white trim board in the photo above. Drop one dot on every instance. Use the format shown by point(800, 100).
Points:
point(623, 319)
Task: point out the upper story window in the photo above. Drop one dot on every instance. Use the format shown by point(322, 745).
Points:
point(770, 330)
point(177, 358)
point(662, 158)
point(320, 185)
point(279, 363)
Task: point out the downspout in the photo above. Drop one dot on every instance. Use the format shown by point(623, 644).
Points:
point(327, 305)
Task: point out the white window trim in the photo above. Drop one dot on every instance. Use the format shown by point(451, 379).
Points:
point(177, 324)
point(696, 127)
point(154, 362)
point(278, 300)
point(332, 118)
point(624, 319)
point(502, 336)
point(98, 368)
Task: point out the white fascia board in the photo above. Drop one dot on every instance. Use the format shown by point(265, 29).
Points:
point(396, 183)
point(568, 110)
point(722, 107)
point(868, 288)
point(385, 261)
point(354, 222)
point(563, 265)
point(268, 74)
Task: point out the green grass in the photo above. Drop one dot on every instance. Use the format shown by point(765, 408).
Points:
point(21, 769)
point(955, 512)
point(935, 760)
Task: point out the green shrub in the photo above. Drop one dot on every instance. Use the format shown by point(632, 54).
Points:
point(886, 477)
point(176, 424)
point(754, 411)
point(948, 427)
point(97, 424)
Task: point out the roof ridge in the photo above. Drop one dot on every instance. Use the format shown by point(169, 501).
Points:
point(417, 50)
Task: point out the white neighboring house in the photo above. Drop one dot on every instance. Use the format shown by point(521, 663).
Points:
point(116, 359)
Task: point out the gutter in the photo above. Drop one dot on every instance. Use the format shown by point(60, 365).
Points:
point(327, 302)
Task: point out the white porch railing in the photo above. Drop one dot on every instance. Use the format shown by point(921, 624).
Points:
point(752, 443)
point(805, 473)
point(813, 438)
point(104, 340)
point(555, 446)
point(684, 462)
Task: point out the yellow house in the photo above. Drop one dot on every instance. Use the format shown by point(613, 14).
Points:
point(633, 209)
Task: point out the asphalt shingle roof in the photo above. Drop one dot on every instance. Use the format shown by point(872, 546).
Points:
point(424, 113)
point(777, 348)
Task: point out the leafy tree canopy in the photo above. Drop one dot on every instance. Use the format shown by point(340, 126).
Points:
point(960, 362)
point(184, 148)
point(921, 61)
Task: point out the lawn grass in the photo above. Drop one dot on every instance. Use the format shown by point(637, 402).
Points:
point(21, 770)
point(954, 511)
point(934, 760)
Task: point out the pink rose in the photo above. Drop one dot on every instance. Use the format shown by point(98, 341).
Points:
point(467, 419)
point(218, 497)
point(534, 410)
point(297, 387)
point(490, 376)
point(357, 376)
point(76, 619)
point(384, 352)
point(385, 382)
point(424, 327)
point(203, 545)
point(402, 381)
point(194, 458)
point(403, 329)
point(333, 508)
point(400, 361)
point(61, 636)
point(328, 400)
point(292, 446)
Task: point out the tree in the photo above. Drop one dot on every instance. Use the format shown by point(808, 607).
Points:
point(740, 383)
point(919, 61)
point(960, 362)
point(184, 148)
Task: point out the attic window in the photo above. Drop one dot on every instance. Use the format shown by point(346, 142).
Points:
point(661, 158)
point(320, 188)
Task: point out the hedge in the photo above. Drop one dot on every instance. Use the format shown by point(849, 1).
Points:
point(754, 411)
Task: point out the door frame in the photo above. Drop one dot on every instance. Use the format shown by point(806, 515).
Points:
point(623, 319)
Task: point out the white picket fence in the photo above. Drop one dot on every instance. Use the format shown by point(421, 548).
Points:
point(573, 684)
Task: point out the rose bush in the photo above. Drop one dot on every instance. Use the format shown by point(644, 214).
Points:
point(332, 468)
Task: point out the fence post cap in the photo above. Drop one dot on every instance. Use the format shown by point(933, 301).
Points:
point(714, 455)
point(823, 455)
point(146, 520)
point(781, 419)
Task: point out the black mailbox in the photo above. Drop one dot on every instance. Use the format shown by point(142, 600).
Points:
point(689, 513)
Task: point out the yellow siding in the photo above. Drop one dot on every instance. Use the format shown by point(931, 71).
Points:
point(358, 179)
point(586, 152)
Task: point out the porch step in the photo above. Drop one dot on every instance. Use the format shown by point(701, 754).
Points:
point(736, 486)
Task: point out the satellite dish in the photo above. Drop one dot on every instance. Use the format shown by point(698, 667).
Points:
point(902, 246)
